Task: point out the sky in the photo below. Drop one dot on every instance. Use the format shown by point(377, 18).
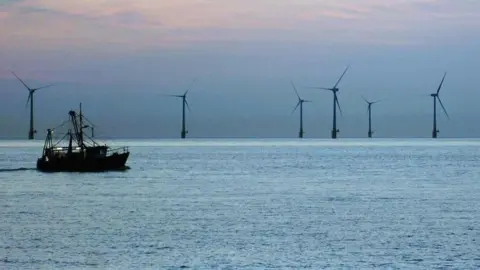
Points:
point(119, 58)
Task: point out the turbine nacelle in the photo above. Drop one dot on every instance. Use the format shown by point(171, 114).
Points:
point(370, 103)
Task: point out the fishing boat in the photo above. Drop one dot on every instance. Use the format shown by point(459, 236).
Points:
point(78, 152)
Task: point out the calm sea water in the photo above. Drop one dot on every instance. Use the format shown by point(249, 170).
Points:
point(247, 204)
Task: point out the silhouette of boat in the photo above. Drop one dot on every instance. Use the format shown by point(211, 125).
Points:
point(82, 154)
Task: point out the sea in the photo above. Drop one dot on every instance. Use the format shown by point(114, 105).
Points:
point(248, 204)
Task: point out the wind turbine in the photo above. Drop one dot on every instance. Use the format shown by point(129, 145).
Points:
point(334, 90)
point(299, 104)
point(184, 104)
point(370, 103)
point(31, 91)
point(435, 97)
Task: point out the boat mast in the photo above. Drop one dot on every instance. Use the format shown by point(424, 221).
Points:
point(70, 142)
point(48, 142)
point(81, 127)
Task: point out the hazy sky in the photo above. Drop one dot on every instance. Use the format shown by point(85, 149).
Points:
point(118, 57)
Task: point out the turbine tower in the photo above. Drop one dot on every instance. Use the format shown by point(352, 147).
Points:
point(336, 104)
point(184, 131)
point(436, 96)
point(31, 91)
point(299, 104)
point(370, 131)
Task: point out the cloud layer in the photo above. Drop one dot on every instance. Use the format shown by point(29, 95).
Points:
point(140, 24)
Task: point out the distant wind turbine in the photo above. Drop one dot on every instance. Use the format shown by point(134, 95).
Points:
point(31, 91)
point(436, 96)
point(334, 90)
point(370, 131)
point(184, 104)
point(299, 104)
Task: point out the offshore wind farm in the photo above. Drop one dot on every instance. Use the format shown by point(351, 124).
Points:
point(299, 105)
point(251, 61)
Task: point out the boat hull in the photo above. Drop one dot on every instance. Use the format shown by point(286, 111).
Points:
point(114, 162)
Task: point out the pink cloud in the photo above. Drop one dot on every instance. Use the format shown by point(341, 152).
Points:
point(140, 24)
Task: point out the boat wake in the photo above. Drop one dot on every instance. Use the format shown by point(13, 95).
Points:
point(125, 168)
point(17, 169)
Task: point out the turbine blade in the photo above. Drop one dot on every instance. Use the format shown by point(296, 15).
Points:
point(28, 99)
point(21, 80)
point(338, 105)
point(298, 104)
point(186, 103)
point(321, 88)
point(294, 88)
point(441, 83)
point(341, 77)
point(171, 95)
point(190, 86)
point(443, 107)
point(42, 87)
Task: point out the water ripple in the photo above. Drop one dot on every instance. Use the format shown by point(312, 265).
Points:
point(256, 204)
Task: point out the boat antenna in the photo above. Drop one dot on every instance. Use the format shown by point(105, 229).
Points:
point(92, 128)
